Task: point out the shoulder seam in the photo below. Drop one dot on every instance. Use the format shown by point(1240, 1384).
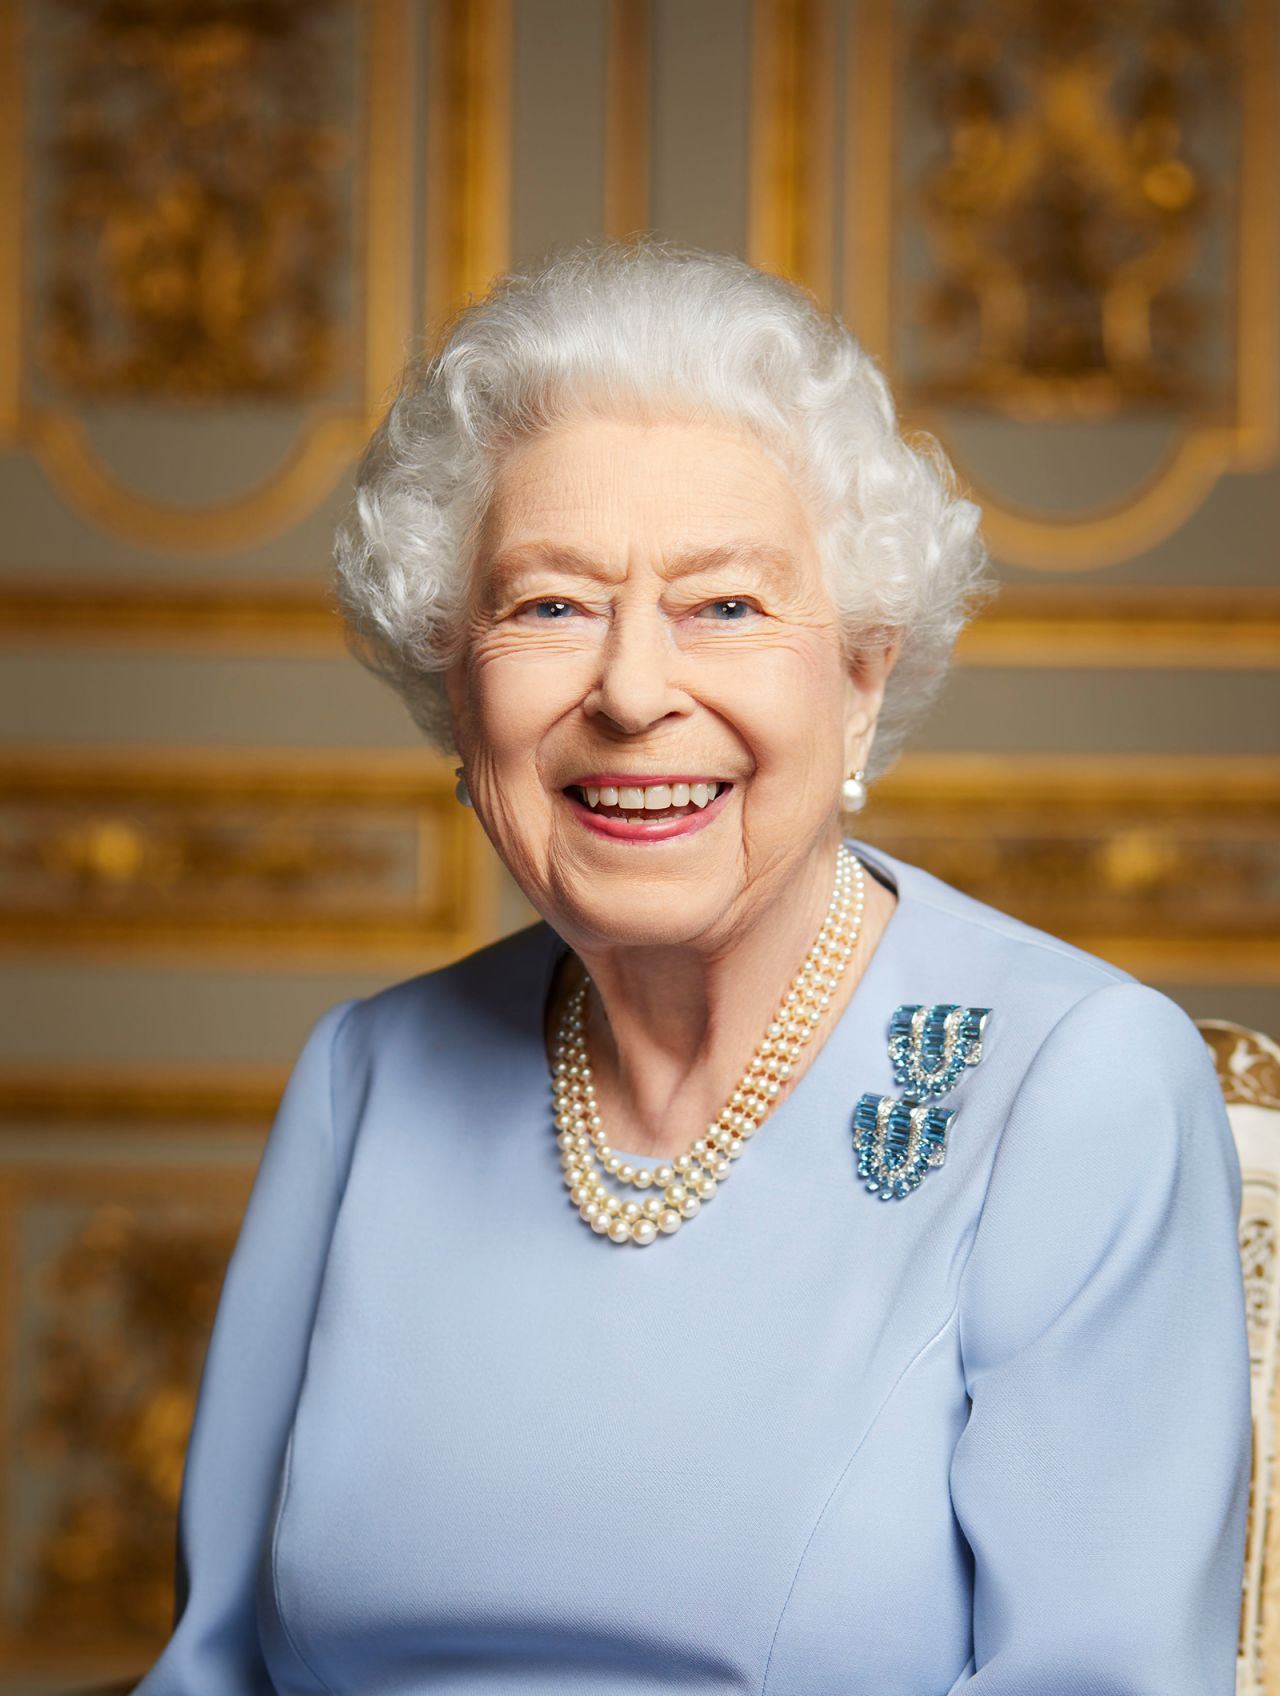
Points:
point(1035, 939)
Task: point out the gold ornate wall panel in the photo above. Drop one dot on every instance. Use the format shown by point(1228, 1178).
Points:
point(231, 855)
point(1066, 214)
point(208, 208)
point(1169, 866)
point(109, 1278)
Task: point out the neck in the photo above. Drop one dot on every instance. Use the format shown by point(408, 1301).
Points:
point(670, 1029)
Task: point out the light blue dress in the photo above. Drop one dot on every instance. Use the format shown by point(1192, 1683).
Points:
point(989, 1439)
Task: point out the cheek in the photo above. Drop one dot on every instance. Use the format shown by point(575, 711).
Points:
point(517, 689)
point(786, 700)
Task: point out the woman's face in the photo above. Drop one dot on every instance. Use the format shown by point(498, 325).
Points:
point(648, 610)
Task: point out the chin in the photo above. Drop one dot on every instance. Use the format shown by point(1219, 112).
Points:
point(650, 913)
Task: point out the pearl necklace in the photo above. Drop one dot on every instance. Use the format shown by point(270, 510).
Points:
point(694, 1176)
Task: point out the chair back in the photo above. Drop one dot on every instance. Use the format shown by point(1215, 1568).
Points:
point(1248, 1066)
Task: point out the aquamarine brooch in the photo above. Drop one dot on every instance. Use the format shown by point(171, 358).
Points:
point(899, 1139)
point(931, 1046)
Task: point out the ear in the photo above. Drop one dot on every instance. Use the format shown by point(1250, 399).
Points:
point(864, 692)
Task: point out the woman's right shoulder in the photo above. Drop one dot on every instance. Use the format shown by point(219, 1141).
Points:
point(480, 1000)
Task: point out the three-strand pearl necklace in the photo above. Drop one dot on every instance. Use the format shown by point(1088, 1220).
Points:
point(694, 1176)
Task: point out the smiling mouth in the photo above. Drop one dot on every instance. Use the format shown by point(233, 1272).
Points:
point(655, 801)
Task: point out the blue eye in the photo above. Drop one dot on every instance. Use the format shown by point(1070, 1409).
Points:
point(539, 608)
point(739, 609)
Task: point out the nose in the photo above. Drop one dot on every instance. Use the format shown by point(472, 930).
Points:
point(636, 686)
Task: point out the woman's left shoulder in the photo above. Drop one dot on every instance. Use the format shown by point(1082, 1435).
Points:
point(973, 952)
point(1106, 1068)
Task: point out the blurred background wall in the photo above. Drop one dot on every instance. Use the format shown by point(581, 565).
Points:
point(222, 223)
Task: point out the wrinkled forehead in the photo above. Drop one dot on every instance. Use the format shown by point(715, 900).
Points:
point(680, 499)
point(774, 567)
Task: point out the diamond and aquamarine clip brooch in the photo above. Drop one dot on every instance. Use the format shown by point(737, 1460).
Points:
point(899, 1139)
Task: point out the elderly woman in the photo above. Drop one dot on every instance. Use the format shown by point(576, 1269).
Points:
point(932, 1376)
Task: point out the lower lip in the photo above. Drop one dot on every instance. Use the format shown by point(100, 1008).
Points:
point(646, 830)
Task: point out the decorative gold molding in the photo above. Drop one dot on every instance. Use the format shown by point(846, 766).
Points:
point(791, 209)
point(316, 460)
point(1042, 782)
point(140, 1097)
point(11, 128)
point(1172, 492)
point(1208, 448)
point(226, 616)
point(1122, 626)
point(388, 184)
point(331, 437)
point(1163, 864)
point(245, 855)
point(468, 219)
point(628, 91)
point(870, 118)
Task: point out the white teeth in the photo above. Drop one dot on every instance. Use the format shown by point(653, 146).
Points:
point(654, 798)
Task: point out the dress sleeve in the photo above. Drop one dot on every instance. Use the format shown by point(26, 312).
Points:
point(249, 1389)
point(1102, 1478)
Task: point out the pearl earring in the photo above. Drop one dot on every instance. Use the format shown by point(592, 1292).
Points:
point(460, 790)
point(853, 793)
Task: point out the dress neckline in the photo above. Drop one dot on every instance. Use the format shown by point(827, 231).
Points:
point(892, 872)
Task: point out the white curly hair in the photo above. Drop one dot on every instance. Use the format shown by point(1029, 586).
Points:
point(653, 330)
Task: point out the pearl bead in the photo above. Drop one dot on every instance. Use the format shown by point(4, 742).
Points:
point(643, 1231)
point(669, 1221)
point(619, 1230)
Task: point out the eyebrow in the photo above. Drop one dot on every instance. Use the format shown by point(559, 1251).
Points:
point(529, 556)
